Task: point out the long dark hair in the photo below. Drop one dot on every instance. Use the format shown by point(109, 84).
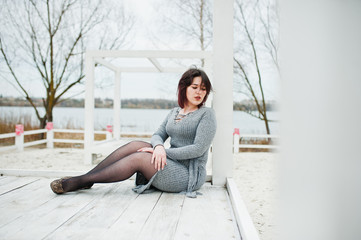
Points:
point(186, 80)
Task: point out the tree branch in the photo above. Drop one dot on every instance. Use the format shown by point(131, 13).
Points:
point(16, 79)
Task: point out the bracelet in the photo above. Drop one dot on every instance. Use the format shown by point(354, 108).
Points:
point(157, 146)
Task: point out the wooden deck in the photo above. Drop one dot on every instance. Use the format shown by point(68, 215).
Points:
point(30, 210)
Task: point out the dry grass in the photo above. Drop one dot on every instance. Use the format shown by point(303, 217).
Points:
point(7, 125)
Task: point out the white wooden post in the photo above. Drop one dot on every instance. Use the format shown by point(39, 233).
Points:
point(89, 108)
point(50, 135)
point(236, 140)
point(19, 138)
point(117, 105)
point(109, 135)
point(320, 171)
point(208, 70)
point(223, 85)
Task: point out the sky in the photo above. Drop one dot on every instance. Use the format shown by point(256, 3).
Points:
point(133, 85)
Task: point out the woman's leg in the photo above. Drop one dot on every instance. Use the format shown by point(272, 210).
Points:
point(117, 171)
point(120, 153)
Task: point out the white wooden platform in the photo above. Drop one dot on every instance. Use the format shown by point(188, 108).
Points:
point(30, 210)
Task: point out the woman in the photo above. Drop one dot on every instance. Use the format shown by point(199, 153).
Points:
point(182, 167)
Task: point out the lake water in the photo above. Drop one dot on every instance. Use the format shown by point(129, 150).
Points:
point(132, 120)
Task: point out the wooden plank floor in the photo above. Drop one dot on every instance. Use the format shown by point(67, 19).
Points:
point(30, 210)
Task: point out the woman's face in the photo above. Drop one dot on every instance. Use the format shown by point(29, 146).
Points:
point(196, 92)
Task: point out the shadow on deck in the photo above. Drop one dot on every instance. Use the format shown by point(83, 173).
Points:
point(30, 210)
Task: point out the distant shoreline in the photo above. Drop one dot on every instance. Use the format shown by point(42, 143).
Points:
point(245, 105)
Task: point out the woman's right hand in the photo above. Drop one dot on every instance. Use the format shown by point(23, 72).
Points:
point(159, 157)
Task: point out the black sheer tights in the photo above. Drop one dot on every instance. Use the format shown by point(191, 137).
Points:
point(118, 166)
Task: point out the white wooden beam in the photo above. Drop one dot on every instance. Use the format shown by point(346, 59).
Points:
point(320, 180)
point(117, 105)
point(89, 108)
point(38, 173)
point(223, 85)
point(106, 64)
point(152, 69)
point(149, 54)
point(244, 220)
point(156, 64)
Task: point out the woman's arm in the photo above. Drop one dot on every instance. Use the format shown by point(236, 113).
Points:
point(160, 136)
point(204, 136)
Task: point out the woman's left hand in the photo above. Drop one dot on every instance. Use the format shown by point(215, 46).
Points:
point(159, 157)
point(146, 149)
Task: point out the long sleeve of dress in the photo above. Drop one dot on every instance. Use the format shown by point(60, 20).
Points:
point(204, 135)
point(160, 136)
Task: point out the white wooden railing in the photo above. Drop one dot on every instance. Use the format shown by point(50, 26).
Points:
point(50, 140)
point(237, 137)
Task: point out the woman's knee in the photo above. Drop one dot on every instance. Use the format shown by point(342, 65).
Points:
point(139, 144)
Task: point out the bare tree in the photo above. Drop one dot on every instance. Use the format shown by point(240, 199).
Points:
point(256, 43)
point(49, 38)
point(190, 21)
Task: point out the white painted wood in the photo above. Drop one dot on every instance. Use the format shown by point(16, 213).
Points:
point(100, 132)
point(108, 136)
point(131, 221)
point(57, 140)
point(223, 86)
point(244, 221)
point(31, 132)
point(152, 69)
point(11, 183)
point(108, 140)
point(163, 220)
point(111, 211)
point(258, 146)
point(45, 219)
point(72, 131)
point(39, 173)
point(7, 148)
point(33, 143)
point(50, 138)
point(258, 136)
point(148, 54)
point(19, 142)
point(106, 64)
point(98, 215)
point(18, 202)
point(7, 135)
point(209, 72)
point(156, 64)
point(207, 216)
point(117, 106)
point(89, 108)
point(236, 143)
point(320, 161)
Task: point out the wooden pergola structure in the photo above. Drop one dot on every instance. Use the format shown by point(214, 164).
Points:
point(218, 65)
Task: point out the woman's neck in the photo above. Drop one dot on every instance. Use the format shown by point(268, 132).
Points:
point(189, 108)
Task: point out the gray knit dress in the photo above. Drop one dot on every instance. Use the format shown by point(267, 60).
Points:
point(190, 139)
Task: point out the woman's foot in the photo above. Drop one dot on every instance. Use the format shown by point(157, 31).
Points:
point(57, 185)
point(89, 186)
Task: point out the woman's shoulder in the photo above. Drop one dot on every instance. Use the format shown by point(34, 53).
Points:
point(207, 110)
point(207, 113)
